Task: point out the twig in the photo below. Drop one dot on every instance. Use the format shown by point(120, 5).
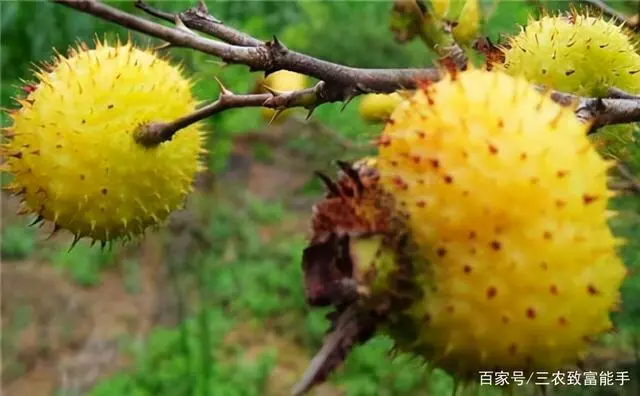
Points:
point(157, 132)
point(600, 111)
point(199, 19)
point(337, 82)
point(628, 176)
point(617, 93)
point(613, 13)
point(342, 81)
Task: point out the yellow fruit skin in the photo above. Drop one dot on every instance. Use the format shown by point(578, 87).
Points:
point(468, 22)
point(507, 200)
point(440, 8)
point(72, 152)
point(283, 80)
point(376, 108)
point(586, 55)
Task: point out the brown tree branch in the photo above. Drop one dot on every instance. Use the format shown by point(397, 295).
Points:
point(154, 133)
point(342, 81)
point(199, 18)
point(633, 182)
point(337, 82)
point(601, 111)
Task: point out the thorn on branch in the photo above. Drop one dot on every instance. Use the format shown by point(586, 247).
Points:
point(181, 26)
point(272, 91)
point(310, 111)
point(223, 90)
point(277, 46)
point(337, 81)
point(276, 114)
point(163, 46)
point(202, 7)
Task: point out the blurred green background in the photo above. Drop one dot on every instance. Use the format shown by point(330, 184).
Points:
point(174, 316)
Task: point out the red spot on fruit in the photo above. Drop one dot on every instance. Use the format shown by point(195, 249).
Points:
point(587, 199)
point(416, 158)
point(421, 204)
point(448, 179)
point(531, 313)
point(562, 321)
point(435, 163)
point(496, 245)
point(472, 235)
point(467, 269)
point(493, 149)
point(561, 173)
point(399, 182)
point(505, 319)
point(491, 292)
point(592, 290)
point(553, 289)
point(441, 252)
point(384, 141)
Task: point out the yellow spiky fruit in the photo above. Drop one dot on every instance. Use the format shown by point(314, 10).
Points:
point(282, 81)
point(377, 108)
point(581, 54)
point(507, 200)
point(71, 147)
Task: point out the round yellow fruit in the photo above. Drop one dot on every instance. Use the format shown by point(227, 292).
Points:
point(71, 147)
point(506, 199)
point(581, 54)
point(283, 80)
point(377, 108)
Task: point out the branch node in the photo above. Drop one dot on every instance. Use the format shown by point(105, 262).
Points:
point(181, 26)
point(277, 46)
